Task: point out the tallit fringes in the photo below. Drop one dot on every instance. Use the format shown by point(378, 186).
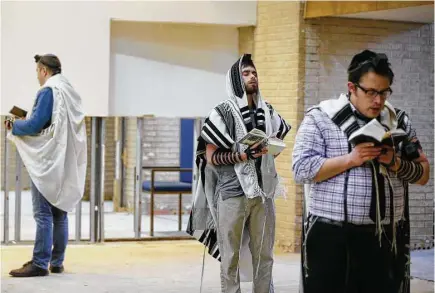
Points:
point(281, 188)
point(379, 228)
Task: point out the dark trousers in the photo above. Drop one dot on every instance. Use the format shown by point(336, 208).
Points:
point(351, 260)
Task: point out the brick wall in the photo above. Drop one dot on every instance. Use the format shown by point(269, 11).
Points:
point(277, 57)
point(246, 40)
point(109, 158)
point(161, 147)
point(330, 45)
point(129, 161)
point(161, 137)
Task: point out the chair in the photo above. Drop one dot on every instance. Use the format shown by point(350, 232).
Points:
point(184, 184)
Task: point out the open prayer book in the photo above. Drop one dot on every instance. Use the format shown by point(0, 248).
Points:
point(274, 145)
point(376, 133)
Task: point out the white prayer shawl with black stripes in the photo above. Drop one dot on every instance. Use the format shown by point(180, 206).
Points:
point(230, 121)
point(227, 123)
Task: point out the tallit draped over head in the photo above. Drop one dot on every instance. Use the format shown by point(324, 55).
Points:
point(56, 158)
point(227, 124)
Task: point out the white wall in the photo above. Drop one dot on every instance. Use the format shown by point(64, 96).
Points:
point(72, 30)
point(79, 33)
point(172, 70)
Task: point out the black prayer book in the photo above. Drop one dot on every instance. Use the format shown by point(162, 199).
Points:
point(376, 133)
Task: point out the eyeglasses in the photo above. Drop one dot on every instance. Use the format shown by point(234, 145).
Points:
point(384, 94)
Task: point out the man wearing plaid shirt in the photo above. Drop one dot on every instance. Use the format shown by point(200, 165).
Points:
point(356, 233)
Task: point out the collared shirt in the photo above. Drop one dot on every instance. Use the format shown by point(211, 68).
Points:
point(318, 139)
point(41, 115)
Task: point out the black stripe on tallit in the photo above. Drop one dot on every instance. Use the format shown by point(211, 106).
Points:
point(260, 110)
point(352, 127)
point(400, 118)
point(236, 81)
point(246, 116)
point(217, 255)
point(189, 229)
point(226, 116)
point(281, 129)
point(202, 170)
point(260, 119)
point(249, 125)
point(212, 244)
point(286, 129)
point(218, 135)
point(209, 239)
point(343, 115)
point(245, 112)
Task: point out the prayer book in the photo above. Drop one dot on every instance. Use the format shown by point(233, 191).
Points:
point(274, 145)
point(18, 112)
point(376, 133)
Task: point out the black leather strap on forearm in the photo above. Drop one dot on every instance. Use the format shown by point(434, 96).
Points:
point(410, 171)
point(224, 157)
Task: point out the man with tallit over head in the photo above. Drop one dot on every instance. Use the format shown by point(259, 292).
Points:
point(51, 141)
point(234, 209)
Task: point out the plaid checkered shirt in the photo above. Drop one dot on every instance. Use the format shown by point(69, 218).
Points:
point(318, 139)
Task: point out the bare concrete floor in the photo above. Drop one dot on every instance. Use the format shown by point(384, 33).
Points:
point(142, 267)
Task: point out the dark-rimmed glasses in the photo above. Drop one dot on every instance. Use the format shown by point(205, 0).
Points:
point(384, 94)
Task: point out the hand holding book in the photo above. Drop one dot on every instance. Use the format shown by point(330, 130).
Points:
point(376, 133)
point(255, 151)
point(257, 137)
point(363, 153)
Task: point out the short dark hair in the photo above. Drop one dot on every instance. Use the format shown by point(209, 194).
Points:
point(50, 61)
point(369, 61)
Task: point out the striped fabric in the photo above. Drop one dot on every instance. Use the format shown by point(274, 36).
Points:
point(319, 138)
point(228, 122)
point(217, 127)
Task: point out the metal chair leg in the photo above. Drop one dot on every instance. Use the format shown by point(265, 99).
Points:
point(180, 210)
point(152, 214)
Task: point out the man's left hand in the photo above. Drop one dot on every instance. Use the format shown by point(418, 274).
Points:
point(387, 155)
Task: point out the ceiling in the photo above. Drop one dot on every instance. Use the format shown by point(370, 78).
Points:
point(420, 14)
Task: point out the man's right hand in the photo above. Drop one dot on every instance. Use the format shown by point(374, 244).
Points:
point(259, 151)
point(362, 153)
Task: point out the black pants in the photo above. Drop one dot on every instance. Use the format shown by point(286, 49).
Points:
point(350, 261)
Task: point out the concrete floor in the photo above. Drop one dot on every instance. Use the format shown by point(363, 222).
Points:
point(142, 267)
point(422, 264)
point(145, 266)
point(116, 224)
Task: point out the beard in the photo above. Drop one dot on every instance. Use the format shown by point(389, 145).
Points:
point(251, 89)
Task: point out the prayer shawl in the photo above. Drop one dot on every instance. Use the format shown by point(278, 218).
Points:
point(227, 123)
point(56, 158)
point(341, 113)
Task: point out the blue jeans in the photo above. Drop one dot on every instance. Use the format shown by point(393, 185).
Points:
point(51, 232)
